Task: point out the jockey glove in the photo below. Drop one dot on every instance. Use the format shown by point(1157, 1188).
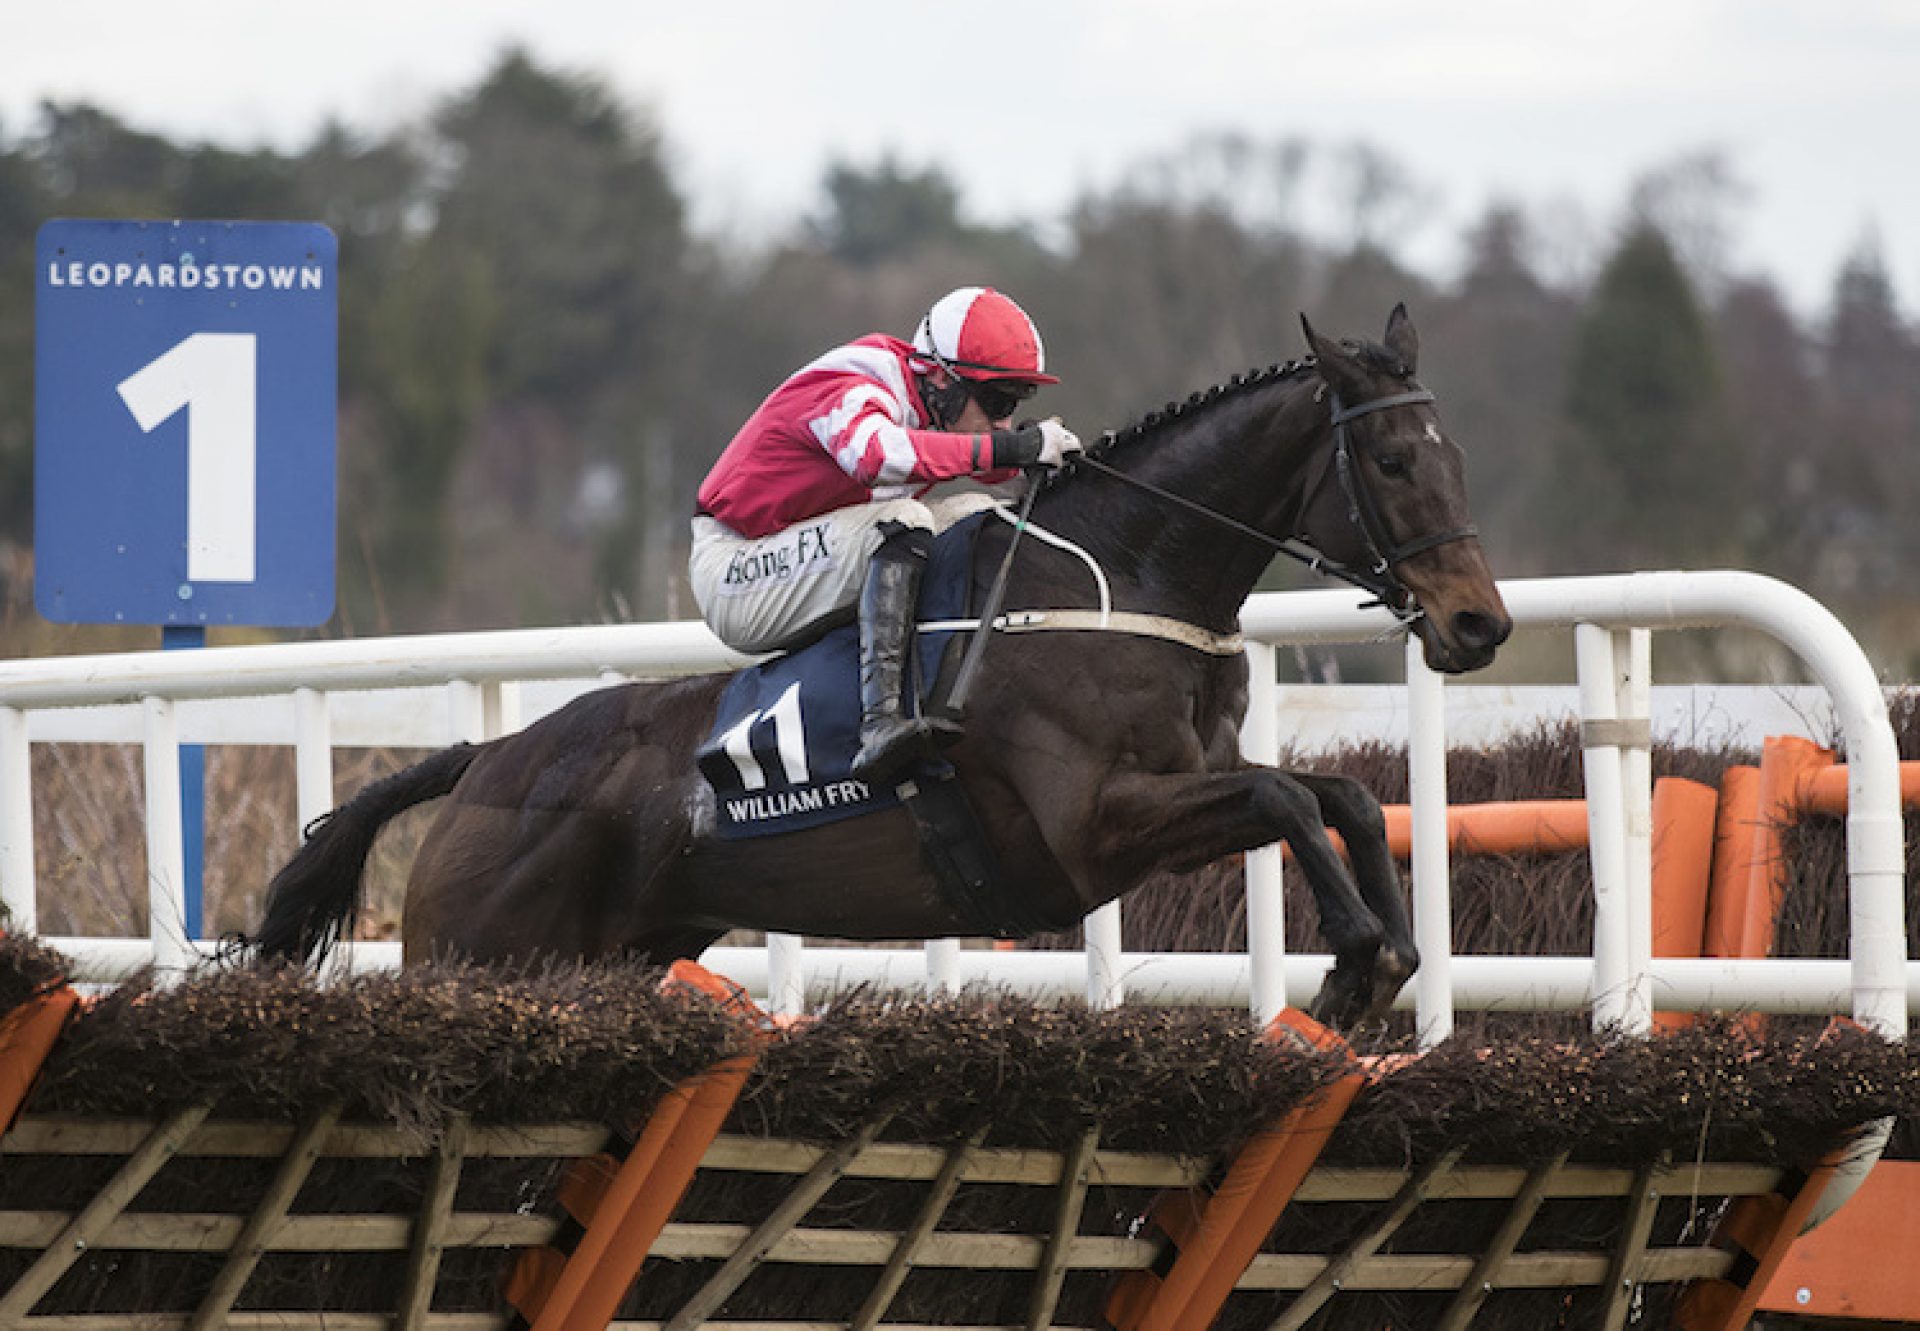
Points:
point(1045, 443)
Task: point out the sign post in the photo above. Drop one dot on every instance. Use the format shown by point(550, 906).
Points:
point(184, 418)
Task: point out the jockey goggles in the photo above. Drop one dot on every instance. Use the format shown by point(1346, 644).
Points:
point(1000, 397)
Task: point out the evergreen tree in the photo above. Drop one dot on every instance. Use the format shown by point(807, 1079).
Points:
point(1497, 355)
point(887, 212)
point(1649, 475)
point(23, 206)
point(558, 208)
point(1871, 413)
point(1773, 407)
point(563, 193)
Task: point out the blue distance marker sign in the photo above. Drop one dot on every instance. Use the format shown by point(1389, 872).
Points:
point(184, 421)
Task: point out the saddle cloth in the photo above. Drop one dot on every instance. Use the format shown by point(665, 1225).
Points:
point(780, 754)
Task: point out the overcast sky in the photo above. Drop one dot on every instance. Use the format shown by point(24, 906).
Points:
point(1814, 103)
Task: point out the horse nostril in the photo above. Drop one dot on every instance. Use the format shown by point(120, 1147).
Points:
point(1477, 631)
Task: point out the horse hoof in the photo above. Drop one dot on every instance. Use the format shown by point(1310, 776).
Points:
point(1341, 1003)
point(1391, 971)
point(1392, 968)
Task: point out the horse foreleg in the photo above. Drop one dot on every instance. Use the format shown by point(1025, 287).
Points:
point(1152, 822)
point(1350, 809)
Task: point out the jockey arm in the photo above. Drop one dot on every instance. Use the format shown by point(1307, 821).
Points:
point(849, 424)
point(865, 436)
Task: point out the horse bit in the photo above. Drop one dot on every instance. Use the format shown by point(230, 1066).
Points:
point(1363, 511)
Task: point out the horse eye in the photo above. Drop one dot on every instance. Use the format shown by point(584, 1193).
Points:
point(1393, 465)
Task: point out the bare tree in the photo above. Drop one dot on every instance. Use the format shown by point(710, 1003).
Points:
point(1692, 200)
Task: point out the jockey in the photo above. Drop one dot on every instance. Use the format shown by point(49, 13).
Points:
point(820, 505)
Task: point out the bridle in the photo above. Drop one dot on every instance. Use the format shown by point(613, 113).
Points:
point(1363, 510)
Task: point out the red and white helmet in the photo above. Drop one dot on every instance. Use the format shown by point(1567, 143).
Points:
point(977, 333)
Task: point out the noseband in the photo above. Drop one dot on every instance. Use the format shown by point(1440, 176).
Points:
point(1363, 510)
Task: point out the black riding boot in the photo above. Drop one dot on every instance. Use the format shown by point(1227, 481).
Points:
point(891, 738)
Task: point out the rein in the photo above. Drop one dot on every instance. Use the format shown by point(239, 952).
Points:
point(1362, 509)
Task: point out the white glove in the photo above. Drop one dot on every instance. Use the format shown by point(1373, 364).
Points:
point(1057, 443)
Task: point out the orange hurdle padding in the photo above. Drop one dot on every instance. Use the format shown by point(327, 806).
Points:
point(27, 1035)
point(1733, 856)
point(1516, 827)
point(1683, 823)
point(1683, 820)
point(1786, 762)
point(1215, 1238)
point(638, 1201)
point(623, 1205)
point(1828, 1273)
point(1764, 1227)
point(545, 1280)
point(1824, 790)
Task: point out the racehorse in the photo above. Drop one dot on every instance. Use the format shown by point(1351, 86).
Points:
point(1094, 759)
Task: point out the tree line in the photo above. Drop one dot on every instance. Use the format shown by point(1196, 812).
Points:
point(540, 354)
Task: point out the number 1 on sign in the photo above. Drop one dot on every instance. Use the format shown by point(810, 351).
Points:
point(214, 376)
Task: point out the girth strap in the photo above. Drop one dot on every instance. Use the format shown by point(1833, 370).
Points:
point(1097, 621)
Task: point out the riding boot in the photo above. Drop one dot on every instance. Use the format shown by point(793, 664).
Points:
point(892, 739)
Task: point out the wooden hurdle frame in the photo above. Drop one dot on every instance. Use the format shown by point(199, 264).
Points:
point(1295, 1281)
point(1207, 1239)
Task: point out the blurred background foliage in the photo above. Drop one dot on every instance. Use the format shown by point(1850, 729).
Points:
point(540, 354)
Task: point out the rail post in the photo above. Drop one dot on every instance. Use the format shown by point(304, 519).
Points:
point(1266, 899)
point(1633, 655)
point(1106, 985)
point(943, 965)
point(16, 823)
point(1432, 890)
point(786, 975)
point(166, 848)
point(312, 756)
point(1601, 736)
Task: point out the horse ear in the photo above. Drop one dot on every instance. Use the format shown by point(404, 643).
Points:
point(1335, 365)
point(1401, 338)
point(1323, 349)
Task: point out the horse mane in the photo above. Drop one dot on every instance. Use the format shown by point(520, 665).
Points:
point(1179, 408)
point(1375, 357)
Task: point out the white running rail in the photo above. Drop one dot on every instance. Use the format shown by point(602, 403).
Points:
point(306, 687)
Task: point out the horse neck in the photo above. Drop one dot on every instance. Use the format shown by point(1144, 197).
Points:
point(1244, 457)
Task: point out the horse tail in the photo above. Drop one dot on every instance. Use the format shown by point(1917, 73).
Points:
point(312, 901)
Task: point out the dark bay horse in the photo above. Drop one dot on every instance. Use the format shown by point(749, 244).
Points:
point(1095, 759)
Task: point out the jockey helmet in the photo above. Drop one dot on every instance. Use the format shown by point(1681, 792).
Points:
point(977, 333)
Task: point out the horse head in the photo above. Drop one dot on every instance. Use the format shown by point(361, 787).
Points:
point(1391, 500)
